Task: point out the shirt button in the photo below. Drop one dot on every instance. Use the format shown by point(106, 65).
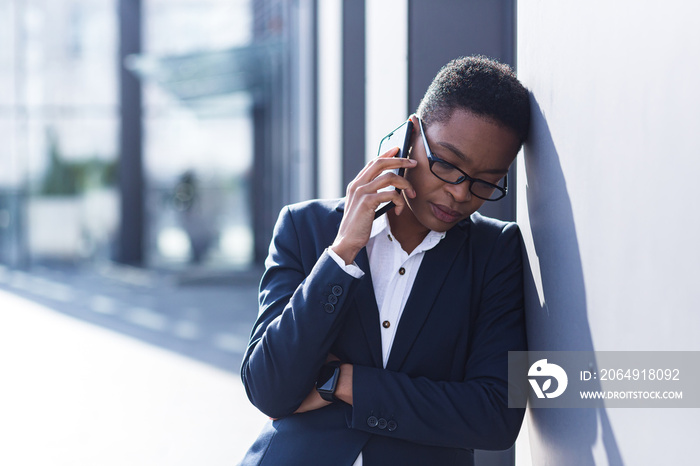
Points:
point(372, 421)
point(386, 324)
point(402, 271)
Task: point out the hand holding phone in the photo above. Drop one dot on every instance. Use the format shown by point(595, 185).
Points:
point(375, 190)
point(401, 138)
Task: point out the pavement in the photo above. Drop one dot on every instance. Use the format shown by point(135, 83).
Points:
point(107, 365)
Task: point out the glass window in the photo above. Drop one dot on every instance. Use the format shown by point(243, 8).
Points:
point(58, 111)
point(198, 135)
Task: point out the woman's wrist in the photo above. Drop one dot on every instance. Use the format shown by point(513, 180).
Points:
point(344, 389)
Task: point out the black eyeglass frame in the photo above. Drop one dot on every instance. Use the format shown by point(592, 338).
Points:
point(432, 159)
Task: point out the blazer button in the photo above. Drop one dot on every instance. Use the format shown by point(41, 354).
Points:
point(372, 421)
point(391, 426)
point(329, 308)
point(333, 299)
point(337, 290)
point(381, 423)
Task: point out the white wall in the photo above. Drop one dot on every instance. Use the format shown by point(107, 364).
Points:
point(607, 201)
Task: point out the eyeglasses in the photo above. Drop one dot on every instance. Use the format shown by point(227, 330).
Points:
point(453, 175)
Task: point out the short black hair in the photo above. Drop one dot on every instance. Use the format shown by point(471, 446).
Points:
point(483, 86)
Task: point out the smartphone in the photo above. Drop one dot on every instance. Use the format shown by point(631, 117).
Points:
point(401, 138)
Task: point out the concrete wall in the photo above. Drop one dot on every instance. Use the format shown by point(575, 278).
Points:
point(608, 207)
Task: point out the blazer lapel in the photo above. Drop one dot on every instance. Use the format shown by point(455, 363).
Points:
point(367, 309)
point(429, 281)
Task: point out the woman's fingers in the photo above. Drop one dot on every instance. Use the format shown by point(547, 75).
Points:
point(391, 153)
point(381, 164)
point(370, 201)
point(384, 181)
point(364, 195)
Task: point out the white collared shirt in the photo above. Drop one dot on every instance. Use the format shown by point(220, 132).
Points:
point(393, 275)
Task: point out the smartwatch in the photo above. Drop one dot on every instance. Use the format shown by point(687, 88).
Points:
point(327, 380)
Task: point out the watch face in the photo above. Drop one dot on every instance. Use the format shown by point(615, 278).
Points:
point(327, 379)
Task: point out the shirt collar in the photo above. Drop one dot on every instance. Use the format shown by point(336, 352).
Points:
point(381, 225)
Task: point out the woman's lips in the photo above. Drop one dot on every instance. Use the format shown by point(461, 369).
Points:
point(445, 214)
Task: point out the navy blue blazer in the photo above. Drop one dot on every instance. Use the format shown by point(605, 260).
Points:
point(444, 391)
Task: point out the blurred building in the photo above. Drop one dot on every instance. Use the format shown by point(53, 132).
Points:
point(170, 133)
point(58, 121)
point(62, 114)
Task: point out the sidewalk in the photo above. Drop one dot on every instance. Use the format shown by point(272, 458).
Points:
point(74, 393)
